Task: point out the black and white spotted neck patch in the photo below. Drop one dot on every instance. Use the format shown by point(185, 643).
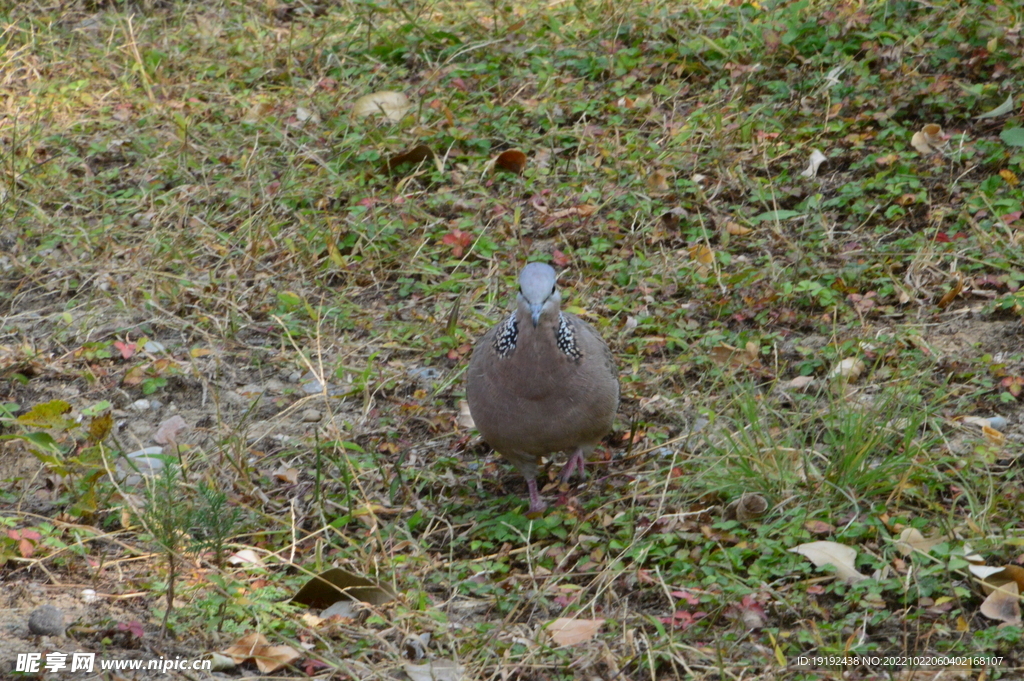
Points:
point(506, 336)
point(565, 337)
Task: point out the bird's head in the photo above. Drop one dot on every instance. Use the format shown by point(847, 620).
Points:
point(538, 292)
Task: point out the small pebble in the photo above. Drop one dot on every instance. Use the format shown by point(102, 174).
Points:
point(425, 376)
point(155, 404)
point(274, 386)
point(295, 376)
point(311, 416)
point(140, 405)
point(154, 346)
point(46, 620)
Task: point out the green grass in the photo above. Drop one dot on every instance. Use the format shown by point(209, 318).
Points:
point(190, 173)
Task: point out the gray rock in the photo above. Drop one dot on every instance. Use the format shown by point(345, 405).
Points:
point(311, 416)
point(140, 405)
point(46, 620)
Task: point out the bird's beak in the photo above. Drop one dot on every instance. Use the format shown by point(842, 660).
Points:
point(535, 311)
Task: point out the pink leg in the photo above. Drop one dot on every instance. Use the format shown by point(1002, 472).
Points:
point(577, 460)
point(537, 504)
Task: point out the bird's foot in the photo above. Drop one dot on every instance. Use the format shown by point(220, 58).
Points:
point(537, 505)
point(577, 460)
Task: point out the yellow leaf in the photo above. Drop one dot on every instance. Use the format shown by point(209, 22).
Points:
point(702, 254)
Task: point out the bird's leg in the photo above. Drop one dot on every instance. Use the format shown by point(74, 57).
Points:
point(537, 504)
point(577, 460)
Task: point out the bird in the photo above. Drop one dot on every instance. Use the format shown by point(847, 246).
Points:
point(542, 381)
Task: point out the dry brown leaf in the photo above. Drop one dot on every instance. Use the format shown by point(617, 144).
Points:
point(726, 355)
point(567, 631)
point(928, 139)
point(270, 659)
point(800, 382)
point(255, 647)
point(702, 254)
point(289, 474)
point(465, 419)
point(736, 229)
point(842, 557)
point(336, 584)
point(992, 576)
point(393, 105)
point(414, 156)
point(748, 507)
point(848, 369)
point(256, 112)
point(912, 540)
point(952, 293)
point(513, 160)
point(1003, 604)
point(993, 436)
point(819, 527)
point(657, 182)
point(246, 557)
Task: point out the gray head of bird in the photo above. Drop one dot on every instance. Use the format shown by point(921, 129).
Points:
point(538, 292)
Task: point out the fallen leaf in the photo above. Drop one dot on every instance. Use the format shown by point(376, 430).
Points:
point(567, 631)
point(256, 647)
point(840, 556)
point(848, 369)
point(748, 507)
point(288, 474)
point(928, 139)
point(1003, 604)
point(393, 105)
point(246, 557)
point(912, 540)
point(657, 182)
point(336, 584)
point(414, 156)
point(465, 419)
point(513, 160)
point(1001, 110)
point(702, 254)
point(800, 382)
point(736, 229)
point(817, 158)
point(952, 293)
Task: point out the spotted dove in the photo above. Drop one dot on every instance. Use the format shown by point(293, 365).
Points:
point(542, 381)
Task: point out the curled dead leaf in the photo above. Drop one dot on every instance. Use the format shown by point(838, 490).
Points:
point(736, 229)
point(928, 139)
point(817, 158)
point(748, 507)
point(1003, 604)
point(336, 584)
point(952, 293)
point(256, 647)
point(513, 160)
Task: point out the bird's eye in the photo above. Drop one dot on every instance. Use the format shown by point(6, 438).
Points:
point(552, 290)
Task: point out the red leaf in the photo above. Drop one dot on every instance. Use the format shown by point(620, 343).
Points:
point(126, 349)
point(561, 259)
